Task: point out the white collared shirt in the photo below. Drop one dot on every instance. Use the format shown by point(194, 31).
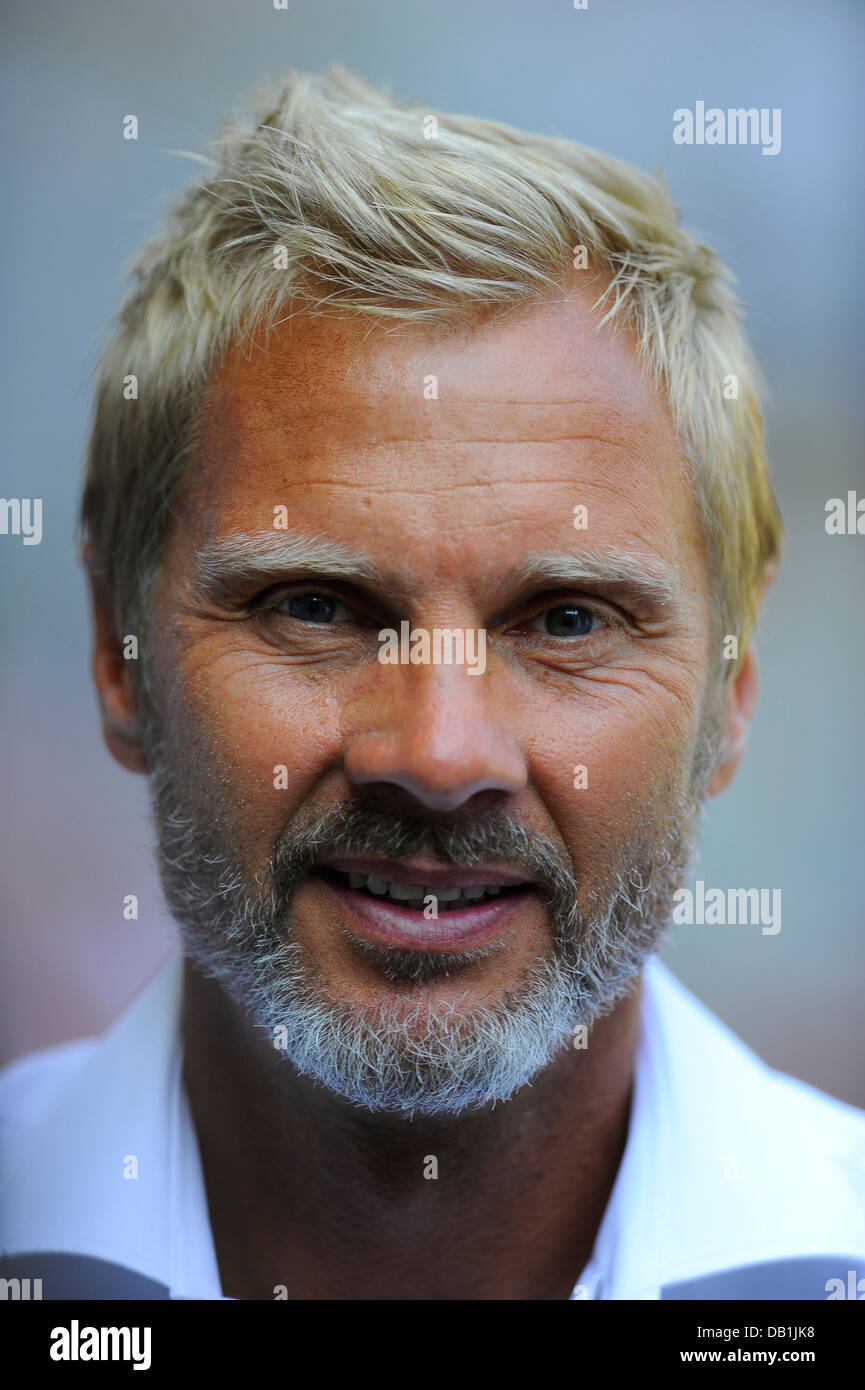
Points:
point(736, 1181)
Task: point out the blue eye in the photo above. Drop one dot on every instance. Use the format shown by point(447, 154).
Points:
point(566, 620)
point(312, 608)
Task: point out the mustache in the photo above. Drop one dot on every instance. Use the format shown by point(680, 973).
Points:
point(362, 827)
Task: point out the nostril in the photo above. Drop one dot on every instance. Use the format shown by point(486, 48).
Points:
point(410, 794)
point(440, 767)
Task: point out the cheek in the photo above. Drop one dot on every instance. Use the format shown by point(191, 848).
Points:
point(612, 770)
point(254, 740)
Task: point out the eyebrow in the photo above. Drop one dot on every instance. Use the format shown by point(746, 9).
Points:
point(246, 561)
point(640, 577)
point(249, 560)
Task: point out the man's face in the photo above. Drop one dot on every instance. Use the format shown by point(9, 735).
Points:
point(452, 506)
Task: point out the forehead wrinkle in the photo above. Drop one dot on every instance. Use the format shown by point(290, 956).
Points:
point(446, 425)
point(363, 405)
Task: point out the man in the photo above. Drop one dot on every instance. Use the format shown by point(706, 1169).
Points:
point(426, 520)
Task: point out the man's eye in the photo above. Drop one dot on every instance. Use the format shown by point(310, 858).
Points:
point(312, 607)
point(567, 620)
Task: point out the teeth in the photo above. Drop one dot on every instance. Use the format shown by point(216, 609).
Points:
point(403, 891)
point(415, 893)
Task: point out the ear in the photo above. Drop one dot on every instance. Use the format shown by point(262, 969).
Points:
point(113, 677)
point(740, 701)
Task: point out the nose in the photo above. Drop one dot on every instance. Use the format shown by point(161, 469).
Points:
point(439, 738)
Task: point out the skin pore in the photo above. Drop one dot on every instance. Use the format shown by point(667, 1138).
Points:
point(452, 500)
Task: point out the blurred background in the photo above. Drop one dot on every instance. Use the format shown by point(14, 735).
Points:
point(79, 200)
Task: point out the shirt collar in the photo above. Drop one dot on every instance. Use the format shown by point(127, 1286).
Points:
point(131, 1190)
point(718, 1168)
point(722, 1160)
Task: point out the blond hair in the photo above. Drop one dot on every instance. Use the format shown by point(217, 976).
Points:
point(331, 199)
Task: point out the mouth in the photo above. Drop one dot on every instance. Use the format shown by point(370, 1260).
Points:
point(422, 906)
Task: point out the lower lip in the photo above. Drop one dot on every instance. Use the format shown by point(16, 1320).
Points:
point(387, 924)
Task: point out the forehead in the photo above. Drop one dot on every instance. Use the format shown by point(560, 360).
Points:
point(510, 422)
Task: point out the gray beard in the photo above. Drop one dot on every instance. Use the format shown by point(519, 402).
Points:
point(417, 1059)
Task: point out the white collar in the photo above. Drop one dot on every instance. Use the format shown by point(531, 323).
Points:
point(723, 1162)
point(728, 1164)
point(122, 1105)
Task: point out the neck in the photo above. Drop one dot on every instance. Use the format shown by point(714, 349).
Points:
point(315, 1198)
